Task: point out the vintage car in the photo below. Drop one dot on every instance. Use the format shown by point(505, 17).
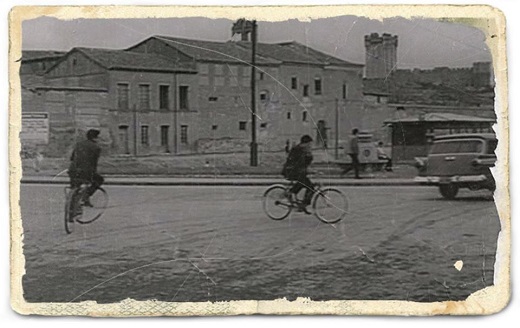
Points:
point(459, 161)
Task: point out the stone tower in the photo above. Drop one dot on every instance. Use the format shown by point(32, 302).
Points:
point(381, 55)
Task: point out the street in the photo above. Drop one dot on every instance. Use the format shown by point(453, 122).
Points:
point(213, 243)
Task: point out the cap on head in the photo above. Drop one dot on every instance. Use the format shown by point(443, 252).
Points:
point(306, 139)
point(355, 131)
point(92, 134)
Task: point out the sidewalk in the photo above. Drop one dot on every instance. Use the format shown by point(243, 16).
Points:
point(221, 181)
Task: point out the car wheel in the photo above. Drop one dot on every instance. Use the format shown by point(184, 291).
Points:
point(449, 191)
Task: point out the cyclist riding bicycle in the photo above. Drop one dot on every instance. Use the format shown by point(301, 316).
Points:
point(295, 169)
point(83, 166)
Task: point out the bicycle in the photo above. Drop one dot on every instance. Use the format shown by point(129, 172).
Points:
point(76, 210)
point(328, 204)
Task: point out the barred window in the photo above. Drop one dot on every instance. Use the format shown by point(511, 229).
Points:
point(144, 96)
point(144, 135)
point(317, 86)
point(184, 134)
point(122, 95)
point(183, 98)
point(164, 97)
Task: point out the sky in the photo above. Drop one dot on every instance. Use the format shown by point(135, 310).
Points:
point(422, 43)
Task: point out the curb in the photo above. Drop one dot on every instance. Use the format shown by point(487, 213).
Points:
point(229, 182)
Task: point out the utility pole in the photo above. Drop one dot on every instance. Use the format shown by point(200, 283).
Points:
point(254, 145)
point(244, 27)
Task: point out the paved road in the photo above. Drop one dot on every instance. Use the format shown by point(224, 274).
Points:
point(214, 243)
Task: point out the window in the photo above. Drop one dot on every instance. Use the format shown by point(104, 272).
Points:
point(184, 134)
point(304, 116)
point(294, 83)
point(263, 125)
point(233, 70)
point(144, 135)
point(261, 76)
point(219, 81)
point(144, 96)
point(164, 135)
point(203, 69)
point(242, 125)
point(214, 127)
point(213, 99)
point(344, 91)
point(122, 95)
point(219, 69)
point(288, 115)
point(306, 90)
point(183, 97)
point(492, 145)
point(164, 97)
point(264, 96)
point(317, 86)
point(457, 147)
point(123, 139)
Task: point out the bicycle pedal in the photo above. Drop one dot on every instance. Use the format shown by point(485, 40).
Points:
point(303, 209)
point(87, 204)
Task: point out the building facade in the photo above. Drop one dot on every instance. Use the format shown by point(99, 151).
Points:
point(168, 95)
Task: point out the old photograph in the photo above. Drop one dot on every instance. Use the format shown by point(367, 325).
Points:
point(188, 163)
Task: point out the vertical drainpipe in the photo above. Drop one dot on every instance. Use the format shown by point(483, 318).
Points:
point(336, 155)
point(175, 147)
point(136, 126)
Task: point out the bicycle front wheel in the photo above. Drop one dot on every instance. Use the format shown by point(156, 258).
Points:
point(330, 205)
point(276, 204)
point(98, 202)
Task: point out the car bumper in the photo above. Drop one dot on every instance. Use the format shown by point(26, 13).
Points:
point(436, 180)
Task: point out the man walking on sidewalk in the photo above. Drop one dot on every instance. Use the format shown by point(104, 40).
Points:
point(353, 151)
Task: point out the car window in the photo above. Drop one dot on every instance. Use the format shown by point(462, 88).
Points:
point(492, 145)
point(457, 147)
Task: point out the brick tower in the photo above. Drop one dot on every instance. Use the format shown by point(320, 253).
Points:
point(381, 55)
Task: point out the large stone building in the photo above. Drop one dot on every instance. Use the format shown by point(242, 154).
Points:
point(172, 95)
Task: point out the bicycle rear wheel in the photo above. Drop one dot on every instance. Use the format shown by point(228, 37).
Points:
point(98, 202)
point(330, 205)
point(69, 221)
point(276, 204)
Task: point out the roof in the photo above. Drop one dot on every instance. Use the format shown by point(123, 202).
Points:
point(117, 59)
point(467, 135)
point(29, 55)
point(294, 52)
point(441, 117)
point(213, 51)
point(240, 52)
point(319, 56)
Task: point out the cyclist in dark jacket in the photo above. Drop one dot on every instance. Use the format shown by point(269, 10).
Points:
point(295, 169)
point(83, 165)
